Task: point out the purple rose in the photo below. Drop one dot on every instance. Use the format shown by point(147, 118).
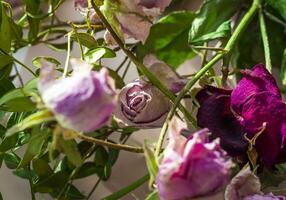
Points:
point(246, 186)
point(255, 102)
point(164, 73)
point(83, 102)
point(134, 17)
point(142, 105)
point(193, 167)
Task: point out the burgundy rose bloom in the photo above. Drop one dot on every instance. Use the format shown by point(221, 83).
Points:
point(255, 101)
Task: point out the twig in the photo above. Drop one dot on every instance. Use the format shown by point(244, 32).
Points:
point(68, 56)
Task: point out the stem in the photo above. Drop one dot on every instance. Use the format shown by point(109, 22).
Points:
point(93, 188)
point(31, 184)
point(141, 66)
point(230, 44)
point(119, 194)
point(110, 144)
point(265, 40)
point(68, 56)
point(122, 64)
point(18, 61)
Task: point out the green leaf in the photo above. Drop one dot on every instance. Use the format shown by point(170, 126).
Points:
point(5, 86)
point(33, 7)
point(93, 55)
point(101, 156)
point(42, 60)
point(5, 32)
point(58, 46)
point(24, 173)
point(86, 170)
point(54, 182)
point(34, 147)
point(30, 121)
point(283, 68)
point(279, 6)
point(69, 147)
point(11, 160)
point(73, 193)
point(171, 47)
point(211, 15)
point(5, 60)
point(9, 143)
point(85, 39)
point(224, 30)
point(42, 168)
point(126, 190)
point(151, 162)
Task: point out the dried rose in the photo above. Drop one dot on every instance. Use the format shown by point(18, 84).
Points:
point(83, 102)
point(193, 167)
point(254, 102)
point(142, 105)
point(246, 186)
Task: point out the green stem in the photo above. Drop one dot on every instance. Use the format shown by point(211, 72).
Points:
point(265, 40)
point(230, 44)
point(119, 194)
point(68, 56)
point(141, 66)
point(19, 62)
point(110, 144)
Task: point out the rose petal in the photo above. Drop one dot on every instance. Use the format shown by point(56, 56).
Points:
point(215, 114)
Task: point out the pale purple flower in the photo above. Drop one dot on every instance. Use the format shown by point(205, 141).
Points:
point(83, 102)
point(142, 105)
point(164, 73)
point(193, 167)
point(246, 186)
point(134, 17)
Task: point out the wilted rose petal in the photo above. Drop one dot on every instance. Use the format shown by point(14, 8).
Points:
point(256, 80)
point(246, 186)
point(82, 102)
point(193, 167)
point(142, 105)
point(215, 114)
point(164, 73)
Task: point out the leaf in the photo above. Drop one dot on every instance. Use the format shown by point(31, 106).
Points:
point(211, 15)
point(171, 47)
point(11, 160)
point(58, 46)
point(33, 7)
point(93, 55)
point(5, 33)
point(42, 168)
point(279, 6)
point(34, 147)
point(224, 30)
point(9, 143)
point(85, 39)
point(5, 60)
point(151, 163)
point(73, 193)
point(283, 68)
point(101, 156)
point(86, 170)
point(69, 147)
point(5, 86)
point(42, 60)
point(30, 121)
point(24, 173)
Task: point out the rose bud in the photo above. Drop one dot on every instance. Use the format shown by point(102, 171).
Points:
point(164, 73)
point(246, 186)
point(142, 105)
point(83, 102)
point(254, 109)
point(192, 167)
